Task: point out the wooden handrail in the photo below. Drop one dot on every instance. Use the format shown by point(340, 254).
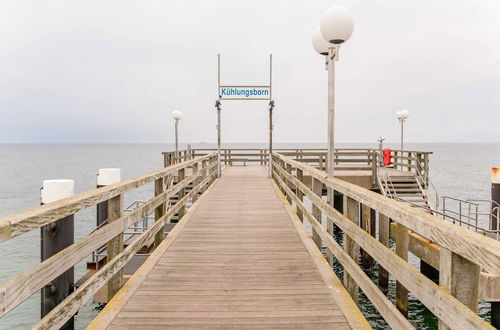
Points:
point(69, 306)
point(466, 243)
point(453, 240)
point(21, 287)
point(25, 221)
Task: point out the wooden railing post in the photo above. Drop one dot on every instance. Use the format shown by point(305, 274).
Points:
point(317, 187)
point(289, 183)
point(460, 277)
point(402, 241)
point(195, 181)
point(115, 245)
point(299, 193)
point(204, 174)
point(160, 210)
point(351, 211)
point(181, 176)
point(383, 237)
point(366, 225)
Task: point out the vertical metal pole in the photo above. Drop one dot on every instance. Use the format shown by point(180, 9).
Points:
point(219, 170)
point(331, 110)
point(218, 105)
point(55, 237)
point(402, 124)
point(177, 140)
point(331, 114)
point(270, 163)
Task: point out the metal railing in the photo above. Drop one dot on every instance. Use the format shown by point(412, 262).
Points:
point(474, 214)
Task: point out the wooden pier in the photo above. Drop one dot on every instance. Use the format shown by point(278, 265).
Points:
point(238, 259)
point(239, 255)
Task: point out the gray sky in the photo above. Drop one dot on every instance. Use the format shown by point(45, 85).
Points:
point(113, 71)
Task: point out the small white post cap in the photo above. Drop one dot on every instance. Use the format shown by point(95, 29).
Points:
point(106, 176)
point(495, 175)
point(53, 190)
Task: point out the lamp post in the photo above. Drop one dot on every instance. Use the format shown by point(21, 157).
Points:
point(336, 26)
point(176, 115)
point(218, 107)
point(401, 116)
point(270, 164)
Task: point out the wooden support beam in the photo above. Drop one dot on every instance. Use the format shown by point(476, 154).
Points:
point(115, 245)
point(160, 210)
point(180, 176)
point(289, 184)
point(402, 240)
point(460, 277)
point(383, 237)
point(366, 225)
point(351, 211)
point(317, 187)
point(196, 181)
point(299, 193)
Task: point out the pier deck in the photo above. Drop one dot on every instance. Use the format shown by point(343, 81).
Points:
point(238, 259)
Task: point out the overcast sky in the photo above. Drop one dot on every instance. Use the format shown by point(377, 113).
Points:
point(113, 71)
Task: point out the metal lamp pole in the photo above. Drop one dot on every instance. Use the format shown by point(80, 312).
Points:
point(218, 107)
point(402, 121)
point(177, 136)
point(176, 115)
point(402, 116)
point(336, 26)
point(332, 57)
point(270, 163)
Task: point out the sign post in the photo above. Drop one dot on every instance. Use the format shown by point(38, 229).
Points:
point(246, 92)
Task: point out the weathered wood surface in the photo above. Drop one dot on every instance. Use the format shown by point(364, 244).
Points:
point(25, 221)
point(470, 245)
point(80, 296)
point(238, 262)
point(388, 311)
point(439, 301)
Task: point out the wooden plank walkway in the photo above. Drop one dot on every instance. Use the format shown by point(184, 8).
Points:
point(237, 260)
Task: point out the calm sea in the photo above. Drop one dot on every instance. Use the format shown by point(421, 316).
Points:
point(461, 170)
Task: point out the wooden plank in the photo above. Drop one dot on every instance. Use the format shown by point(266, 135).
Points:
point(317, 188)
point(383, 275)
point(351, 211)
point(115, 245)
point(461, 278)
point(225, 270)
point(383, 305)
point(344, 301)
point(402, 239)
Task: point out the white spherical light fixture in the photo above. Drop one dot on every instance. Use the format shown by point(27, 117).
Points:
point(403, 114)
point(337, 25)
point(319, 43)
point(177, 115)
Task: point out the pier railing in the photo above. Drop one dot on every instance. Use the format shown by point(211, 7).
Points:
point(196, 173)
point(463, 257)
